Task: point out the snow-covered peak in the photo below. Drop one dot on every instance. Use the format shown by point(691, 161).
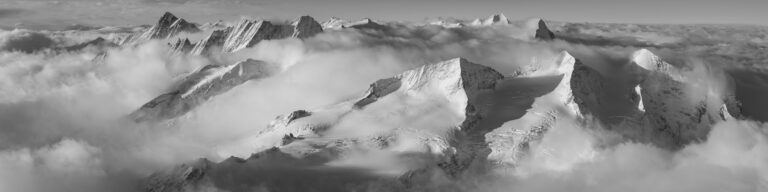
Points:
point(647, 60)
point(445, 78)
point(306, 26)
point(653, 64)
point(169, 25)
point(334, 23)
point(496, 19)
point(564, 92)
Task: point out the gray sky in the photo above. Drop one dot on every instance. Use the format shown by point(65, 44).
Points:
point(41, 13)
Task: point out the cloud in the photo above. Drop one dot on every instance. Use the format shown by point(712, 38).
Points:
point(6, 12)
point(24, 41)
point(68, 161)
point(733, 158)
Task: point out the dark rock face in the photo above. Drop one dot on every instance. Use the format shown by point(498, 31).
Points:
point(198, 87)
point(588, 88)
point(543, 32)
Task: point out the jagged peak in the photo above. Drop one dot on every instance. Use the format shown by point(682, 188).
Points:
point(168, 16)
point(542, 31)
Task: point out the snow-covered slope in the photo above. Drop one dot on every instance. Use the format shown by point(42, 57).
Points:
point(199, 87)
point(576, 86)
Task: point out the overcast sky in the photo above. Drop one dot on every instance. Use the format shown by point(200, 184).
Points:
point(41, 13)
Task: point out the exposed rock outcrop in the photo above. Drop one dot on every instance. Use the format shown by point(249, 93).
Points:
point(543, 32)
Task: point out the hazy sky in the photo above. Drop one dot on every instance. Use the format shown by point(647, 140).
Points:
point(40, 13)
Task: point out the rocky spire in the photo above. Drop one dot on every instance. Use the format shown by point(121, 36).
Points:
point(543, 32)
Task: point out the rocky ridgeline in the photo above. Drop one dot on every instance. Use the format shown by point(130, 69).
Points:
point(199, 87)
point(168, 26)
point(248, 33)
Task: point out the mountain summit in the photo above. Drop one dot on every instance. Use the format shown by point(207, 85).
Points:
point(169, 25)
